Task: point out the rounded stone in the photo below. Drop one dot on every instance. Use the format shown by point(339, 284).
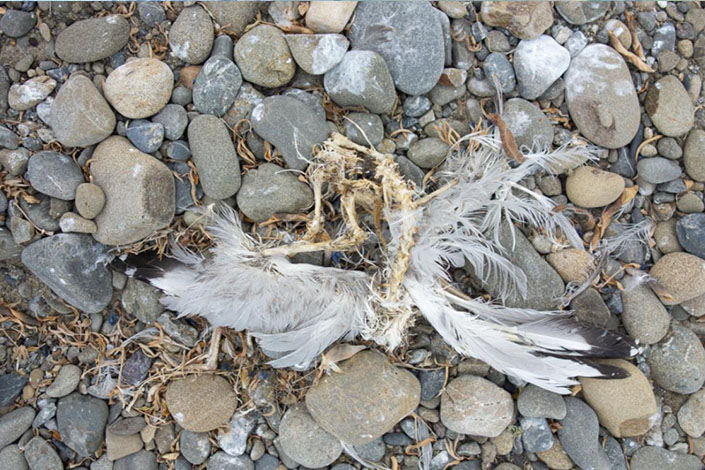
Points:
point(690, 230)
point(216, 86)
point(80, 116)
point(591, 187)
point(538, 63)
point(142, 460)
point(81, 421)
point(92, 39)
point(317, 53)
point(201, 404)
point(601, 97)
point(668, 367)
point(691, 416)
point(527, 123)
point(195, 446)
point(54, 174)
point(476, 406)
point(649, 458)
point(147, 136)
point(11, 458)
point(361, 79)
point(427, 153)
point(580, 13)
point(626, 407)
point(682, 275)
point(222, 461)
point(191, 36)
point(536, 402)
point(270, 190)
point(644, 316)
point(90, 200)
point(669, 107)
point(263, 57)
point(525, 20)
point(657, 170)
point(174, 119)
point(572, 264)
point(65, 382)
point(17, 23)
point(139, 192)
point(41, 456)
point(364, 416)
point(305, 441)
point(694, 155)
point(214, 156)
point(14, 424)
point(139, 88)
point(329, 17)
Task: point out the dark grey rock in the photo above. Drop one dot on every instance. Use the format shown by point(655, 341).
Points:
point(10, 387)
point(664, 39)
point(305, 441)
point(308, 98)
point(530, 127)
point(5, 83)
point(497, 65)
point(416, 106)
point(536, 402)
point(651, 458)
point(17, 23)
point(538, 63)
point(81, 420)
point(428, 152)
point(397, 439)
point(266, 462)
point(579, 436)
point(127, 426)
point(691, 233)
point(291, 126)
point(11, 458)
point(615, 453)
point(409, 170)
point(361, 79)
point(269, 190)
point(14, 424)
point(668, 147)
point(147, 136)
point(216, 86)
point(191, 36)
point(41, 456)
point(373, 451)
point(9, 249)
point(181, 95)
point(214, 156)
point(222, 461)
point(536, 435)
point(178, 330)
point(579, 13)
point(658, 170)
point(74, 267)
point(135, 368)
point(184, 198)
point(223, 47)
point(152, 13)
point(142, 460)
point(3, 202)
point(54, 174)
point(15, 161)
point(409, 36)
point(174, 119)
point(178, 150)
point(668, 368)
point(195, 446)
point(364, 129)
point(8, 139)
point(92, 39)
point(432, 382)
point(624, 166)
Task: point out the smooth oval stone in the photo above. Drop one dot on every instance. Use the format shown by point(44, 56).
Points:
point(234, 16)
point(669, 107)
point(216, 86)
point(657, 170)
point(601, 97)
point(678, 363)
point(139, 88)
point(14, 424)
point(93, 39)
point(80, 116)
point(682, 275)
point(191, 36)
point(17, 23)
point(579, 13)
point(264, 57)
point(305, 441)
point(525, 20)
point(81, 421)
point(74, 267)
point(201, 404)
point(591, 187)
point(317, 53)
point(538, 64)
point(691, 233)
point(214, 156)
point(54, 174)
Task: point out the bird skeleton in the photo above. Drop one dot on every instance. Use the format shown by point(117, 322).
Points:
point(404, 241)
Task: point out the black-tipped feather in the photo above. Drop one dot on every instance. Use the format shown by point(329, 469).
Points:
point(144, 266)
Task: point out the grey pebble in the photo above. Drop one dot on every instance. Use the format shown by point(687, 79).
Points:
point(151, 13)
point(497, 65)
point(81, 420)
point(222, 461)
point(41, 456)
point(142, 460)
point(147, 136)
point(658, 170)
point(668, 368)
point(691, 233)
point(536, 435)
point(216, 86)
point(195, 446)
point(14, 424)
point(364, 129)
point(427, 153)
point(17, 23)
point(536, 402)
point(11, 458)
point(579, 436)
point(142, 300)
point(11, 385)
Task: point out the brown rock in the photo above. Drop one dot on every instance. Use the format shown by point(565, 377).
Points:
point(234, 16)
point(525, 20)
point(201, 403)
point(555, 457)
point(188, 74)
point(573, 264)
point(682, 275)
point(329, 17)
point(344, 405)
point(121, 446)
point(591, 187)
point(626, 406)
point(139, 88)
